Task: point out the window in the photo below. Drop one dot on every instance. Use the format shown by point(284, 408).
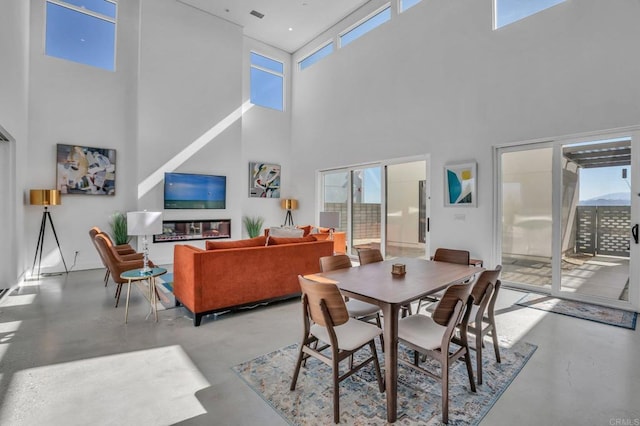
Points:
point(82, 31)
point(509, 11)
point(372, 21)
point(406, 4)
point(316, 56)
point(267, 82)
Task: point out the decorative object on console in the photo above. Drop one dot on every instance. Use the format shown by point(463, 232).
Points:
point(183, 230)
point(264, 180)
point(460, 185)
point(45, 197)
point(143, 224)
point(86, 170)
point(253, 225)
point(330, 220)
point(288, 204)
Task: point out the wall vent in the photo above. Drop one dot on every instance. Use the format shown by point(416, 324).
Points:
point(257, 14)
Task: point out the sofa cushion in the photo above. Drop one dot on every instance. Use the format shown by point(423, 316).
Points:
point(276, 241)
point(251, 242)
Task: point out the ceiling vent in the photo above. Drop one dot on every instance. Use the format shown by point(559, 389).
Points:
point(3, 137)
point(257, 14)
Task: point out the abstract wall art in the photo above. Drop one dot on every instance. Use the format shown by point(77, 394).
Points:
point(85, 170)
point(460, 185)
point(264, 180)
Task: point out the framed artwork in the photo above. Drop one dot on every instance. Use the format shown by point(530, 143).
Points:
point(86, 170)
point(460, 185)
point(264, 180)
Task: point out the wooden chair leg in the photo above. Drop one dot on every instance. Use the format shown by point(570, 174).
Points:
point(445, 389)
point(336, 387)
point(376, 363)
point(106, 277)
point(479, 345)
point(379, 324)
point(118, 290)
point(294, 380)
point(467, 361)
point(496, 347)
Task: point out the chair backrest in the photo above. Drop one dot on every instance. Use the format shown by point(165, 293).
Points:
point(327, 293)
point(487, 279)
point(92, 234)
point(452, 256)
point(331, 263)
point(369, 256)
point(112, 259)
point(455, 295)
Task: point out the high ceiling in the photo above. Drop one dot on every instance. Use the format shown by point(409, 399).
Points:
point(286, 24)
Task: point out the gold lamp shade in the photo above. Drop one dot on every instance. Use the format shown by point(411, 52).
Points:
point(289, 204)
point(45, 197)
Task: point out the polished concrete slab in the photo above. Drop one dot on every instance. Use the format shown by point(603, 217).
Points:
point(66, 357)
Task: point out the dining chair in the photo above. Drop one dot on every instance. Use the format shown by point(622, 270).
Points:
point(482, 318)
point(460, 257)
point(432, 336)
point(372, 255)
point(327, 323)
point(125, 250)
point(116, 264)
point(357, 309)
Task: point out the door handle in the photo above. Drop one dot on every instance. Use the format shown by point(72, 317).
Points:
point(634, 232)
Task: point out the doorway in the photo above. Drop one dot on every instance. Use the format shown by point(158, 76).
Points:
point(382, 205)
point(566, 216)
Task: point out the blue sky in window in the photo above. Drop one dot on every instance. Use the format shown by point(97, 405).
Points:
point(406, 4)
point(596, 182)
point(366, 26)
point(103, 7)
point(264, 62)
point(508, 11)
point(266, 89)
point(316, 56)
point(79, 37)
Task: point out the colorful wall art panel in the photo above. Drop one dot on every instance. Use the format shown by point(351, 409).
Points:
point(460, 182)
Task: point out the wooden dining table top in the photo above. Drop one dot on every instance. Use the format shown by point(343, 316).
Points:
point(375, 282)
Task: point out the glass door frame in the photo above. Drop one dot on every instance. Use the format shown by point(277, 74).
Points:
point(383, 188)
point(556, 144)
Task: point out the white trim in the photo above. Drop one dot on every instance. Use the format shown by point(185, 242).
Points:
point(313, 52)
point(87, 11)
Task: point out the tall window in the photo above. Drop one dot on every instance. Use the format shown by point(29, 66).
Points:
point(82, 31)
point(267, 82)
point(509, 11)
point(375, 20)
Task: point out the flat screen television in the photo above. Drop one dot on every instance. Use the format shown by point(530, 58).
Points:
point(192, 191)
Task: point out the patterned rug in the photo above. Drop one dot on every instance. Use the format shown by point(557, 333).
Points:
point(164, 284)
point(602, 314)
point(419, 397)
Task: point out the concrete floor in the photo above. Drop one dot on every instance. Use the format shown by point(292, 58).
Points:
point(66, 357)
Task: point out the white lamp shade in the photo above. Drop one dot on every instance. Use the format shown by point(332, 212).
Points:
point(144, 223)
point(330, 219)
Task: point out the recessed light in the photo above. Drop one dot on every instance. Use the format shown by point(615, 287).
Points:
point(290, 29)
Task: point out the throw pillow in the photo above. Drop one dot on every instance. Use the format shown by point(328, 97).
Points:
point(306, 229)
point(251, 242)
point(276, 241)
point(286, 232)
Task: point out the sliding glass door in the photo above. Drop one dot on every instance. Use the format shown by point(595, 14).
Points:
point(381, 206)
point(566, 218)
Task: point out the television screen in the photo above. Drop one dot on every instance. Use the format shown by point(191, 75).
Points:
point(191, 191)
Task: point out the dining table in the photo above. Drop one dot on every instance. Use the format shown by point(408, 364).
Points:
point(375, 283)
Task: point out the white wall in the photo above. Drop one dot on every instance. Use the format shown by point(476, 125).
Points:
point(14, 39)
point(438, 80)
point(81, 105)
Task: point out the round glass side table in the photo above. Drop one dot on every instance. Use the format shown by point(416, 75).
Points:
point(140, 275)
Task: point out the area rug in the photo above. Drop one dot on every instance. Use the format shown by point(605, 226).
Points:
point(164, 284)
point(601, 314)
point(361, 403)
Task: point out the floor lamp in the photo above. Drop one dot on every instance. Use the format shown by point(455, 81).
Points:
point(289, 204)
point(46, 198)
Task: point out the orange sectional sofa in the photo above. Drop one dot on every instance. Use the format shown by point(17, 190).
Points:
point(241, 273)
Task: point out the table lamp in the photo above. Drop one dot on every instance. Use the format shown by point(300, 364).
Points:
point(330, 220)
point(143, 224)
point(45, 197)
point(289, 204)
